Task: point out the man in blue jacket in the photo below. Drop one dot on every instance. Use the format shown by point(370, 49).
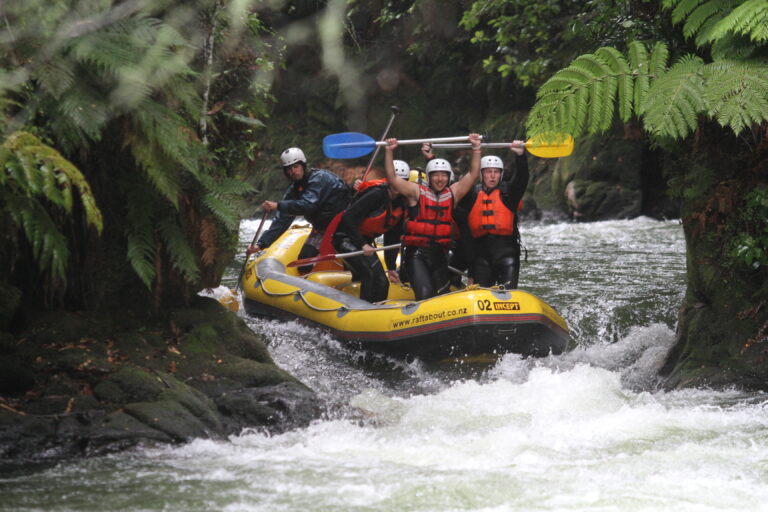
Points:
point(316, 194)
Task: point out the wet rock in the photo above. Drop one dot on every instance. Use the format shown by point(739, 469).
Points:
point(91, 388)
point(280, 407)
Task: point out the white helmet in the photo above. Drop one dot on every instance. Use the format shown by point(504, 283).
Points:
point(402, 169)
point(292, 155)
point(439, 165)
point(491, 161)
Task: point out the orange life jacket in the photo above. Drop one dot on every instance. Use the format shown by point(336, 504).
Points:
point(433, 223)
point(490, 216)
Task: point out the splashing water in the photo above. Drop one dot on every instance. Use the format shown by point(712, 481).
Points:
point(587, 430)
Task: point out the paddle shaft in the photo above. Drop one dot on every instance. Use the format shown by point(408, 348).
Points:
point(528, 144)
point(395, 111)
point(326, 257)
point(407, 141)
point(255, 237)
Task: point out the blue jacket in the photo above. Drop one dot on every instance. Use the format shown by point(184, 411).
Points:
point(318, 198)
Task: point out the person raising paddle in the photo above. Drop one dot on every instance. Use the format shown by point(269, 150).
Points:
point(428, 232)
point(492, 219)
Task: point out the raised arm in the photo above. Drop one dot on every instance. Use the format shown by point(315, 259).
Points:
point(407, 189)
point(465, 184)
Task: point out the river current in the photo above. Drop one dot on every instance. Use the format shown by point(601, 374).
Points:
point(588, 430)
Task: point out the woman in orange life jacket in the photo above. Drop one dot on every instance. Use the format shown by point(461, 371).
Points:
point(427, 234)
point(492, 219)
point(376, 209)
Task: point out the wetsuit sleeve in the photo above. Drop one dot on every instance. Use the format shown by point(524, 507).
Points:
point(392, 237)
point(319, 188)
point(518, 182)
point(279, 224)
point(353, 216)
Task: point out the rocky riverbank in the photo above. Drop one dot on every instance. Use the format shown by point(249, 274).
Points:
point(76, 384)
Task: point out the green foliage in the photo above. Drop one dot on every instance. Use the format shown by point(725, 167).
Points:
point(37, 182)
point(529, 40)
point(722, 23)
point(582, 98)
point(750, 247)
point(122, 92)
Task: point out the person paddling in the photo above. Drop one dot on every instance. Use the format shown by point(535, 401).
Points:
point(428, 232)
point(316, 194)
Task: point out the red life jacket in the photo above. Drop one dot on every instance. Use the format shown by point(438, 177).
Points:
point(433, 223)
point(381, 221)
point(490, 216)
point(368, 184)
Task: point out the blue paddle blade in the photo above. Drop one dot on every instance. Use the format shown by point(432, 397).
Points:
point(348, 145)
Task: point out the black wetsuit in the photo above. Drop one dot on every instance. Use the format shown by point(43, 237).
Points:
point(374, 284)
point(495, 258)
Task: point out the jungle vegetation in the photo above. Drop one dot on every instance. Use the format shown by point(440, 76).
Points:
point(135, 134)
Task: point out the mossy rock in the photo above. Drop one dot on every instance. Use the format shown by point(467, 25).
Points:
point(169, 417)
point(129, 384)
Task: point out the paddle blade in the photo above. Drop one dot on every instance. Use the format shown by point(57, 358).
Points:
point(550, 146)
point(348, 145)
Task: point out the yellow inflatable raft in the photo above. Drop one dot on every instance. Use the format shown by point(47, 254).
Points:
point(461, 324)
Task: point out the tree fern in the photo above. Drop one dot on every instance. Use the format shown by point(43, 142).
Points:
point(737, 95)
point(180, 252)
point(118, 91)
point(721, 22)
point(675, 99)
point(32, 177)
point(669, 101)
point(581, 97)
point(749, 19)
point(140, 231)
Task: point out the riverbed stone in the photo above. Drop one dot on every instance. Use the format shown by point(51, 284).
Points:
point(279, 407)
point(100, 383)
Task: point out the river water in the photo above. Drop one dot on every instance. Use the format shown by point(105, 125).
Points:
point(585, 431)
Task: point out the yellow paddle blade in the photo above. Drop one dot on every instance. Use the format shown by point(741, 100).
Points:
point(550, 146)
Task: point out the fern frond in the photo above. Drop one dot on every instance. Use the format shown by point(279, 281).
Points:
point(224, 211)
point(85, 108)
point(624, 83)
point(582, 96)
point(736, 94)
point(49, 246)
point(54, 77)
point(640, 67)
point(706, 12)
point(139, 231)
point(170, 134)
point(659, 58)
point(680, 8)
point(749, 19)
point(182, 256)
point(43, 171)
point(140, 255)
point(675, 99)
point(162, 172)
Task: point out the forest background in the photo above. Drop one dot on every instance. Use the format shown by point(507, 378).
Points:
point(136, 135)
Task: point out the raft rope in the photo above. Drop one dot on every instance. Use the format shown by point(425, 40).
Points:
point(260, 281)
point(300, 293)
